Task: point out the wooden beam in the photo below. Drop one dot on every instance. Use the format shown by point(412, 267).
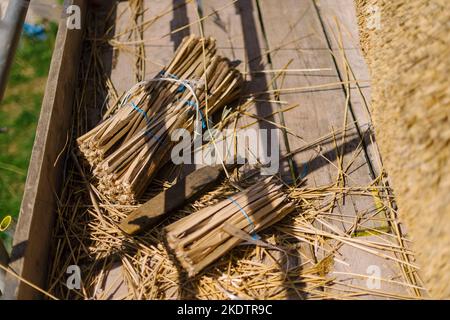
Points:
point(32, 240)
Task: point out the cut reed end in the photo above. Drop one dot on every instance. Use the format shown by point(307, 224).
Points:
point(126, 149)
point(206, 235)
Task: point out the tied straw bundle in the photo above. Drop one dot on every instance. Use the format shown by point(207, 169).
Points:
point(126, 149)
point(201, 238)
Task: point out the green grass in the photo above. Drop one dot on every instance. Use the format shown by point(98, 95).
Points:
point(19, 114)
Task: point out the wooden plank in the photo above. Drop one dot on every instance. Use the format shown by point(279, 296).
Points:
point(161, 19)
point(122, 61)
point(340, 25)
point(32, 240)
point(364, 271)
point(240, 38)
point(164, 203)
point(321, 112)
point(161, 36)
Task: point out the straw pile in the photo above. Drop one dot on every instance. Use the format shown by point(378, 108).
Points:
point(201, 238)
point(293, 258)
point(408, 59)
point(126, 149)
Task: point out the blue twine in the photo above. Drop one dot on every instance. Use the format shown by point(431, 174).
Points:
point(194, 104)
point(304, 171)
point(254, 235)
point(149, 132)
point(144, 114)
point(162, 73)
point(181, 88)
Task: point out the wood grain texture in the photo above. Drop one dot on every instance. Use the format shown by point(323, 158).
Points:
point(157, 208)
point(323, 111)
point(29, 257)
point(340, 25)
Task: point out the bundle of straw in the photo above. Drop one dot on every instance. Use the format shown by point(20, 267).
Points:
point(202, 237)
point(126, 149)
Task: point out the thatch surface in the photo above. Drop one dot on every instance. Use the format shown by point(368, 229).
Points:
point(408, 60)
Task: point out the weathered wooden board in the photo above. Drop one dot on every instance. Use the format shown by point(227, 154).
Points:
point(32, 240)
point(158, 207)
point(240, 38)
point(321, 112)
point(341, 29)
point(339, 23)
point(123, 64)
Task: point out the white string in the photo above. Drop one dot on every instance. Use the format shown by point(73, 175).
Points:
point(189, 84)
point(186, 83)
